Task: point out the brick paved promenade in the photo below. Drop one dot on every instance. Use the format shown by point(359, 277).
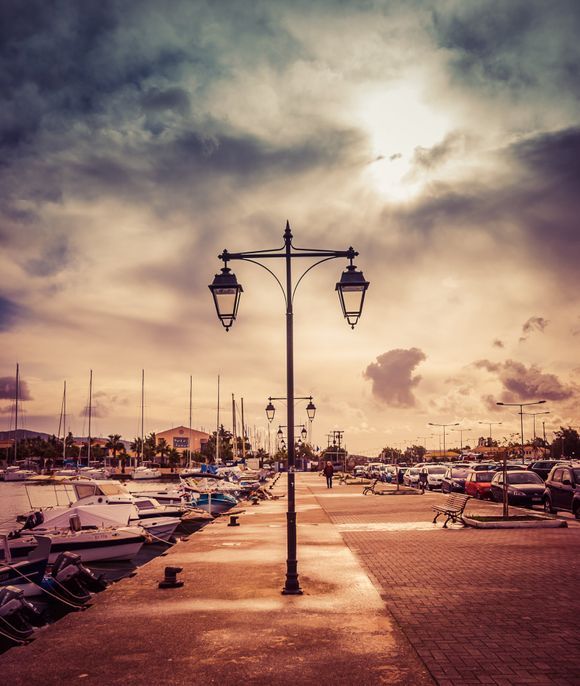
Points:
point(478, 606)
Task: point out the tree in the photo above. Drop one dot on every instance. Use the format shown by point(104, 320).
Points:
point(225, 446)
point(163, 449)
point(114, 444)
point(174, 456)
point(566, 443)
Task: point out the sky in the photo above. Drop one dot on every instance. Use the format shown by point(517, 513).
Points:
point(441, 140)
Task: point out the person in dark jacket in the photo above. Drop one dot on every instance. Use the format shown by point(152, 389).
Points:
point(328, 472)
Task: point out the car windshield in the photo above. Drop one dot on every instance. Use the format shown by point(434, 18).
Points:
point(458, 472)
point(530, 478)
point(576, 475)
point(484, 476)
point(436, 470)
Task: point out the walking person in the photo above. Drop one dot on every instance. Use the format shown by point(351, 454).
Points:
point(423, 480)
point(328, 472)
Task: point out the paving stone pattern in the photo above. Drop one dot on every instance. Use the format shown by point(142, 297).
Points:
point(479, 606)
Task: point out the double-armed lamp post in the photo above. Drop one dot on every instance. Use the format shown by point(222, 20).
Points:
point(444, 427)
point(226, 293)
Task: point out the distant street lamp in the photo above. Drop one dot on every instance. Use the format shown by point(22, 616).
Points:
point(460, 431)
point(534, 415)
point(226, 293)
point(310, 408)
point(521, 413)
point(444, 426)
point(490, 425)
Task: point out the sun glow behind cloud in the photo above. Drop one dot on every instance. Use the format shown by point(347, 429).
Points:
point(397, 121)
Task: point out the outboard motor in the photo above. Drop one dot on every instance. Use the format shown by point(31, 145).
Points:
point(18, 616)
point(32, 520)
point(72, 581)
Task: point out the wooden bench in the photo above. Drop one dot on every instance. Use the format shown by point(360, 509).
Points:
point(452, 508)
point(375, 488)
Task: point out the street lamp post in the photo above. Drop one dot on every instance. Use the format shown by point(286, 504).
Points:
point(534, 415)
point(521, 413)
point(460, 431)
point(490, 424)
point(226, 292)
point(444, 426)
point(310, 411)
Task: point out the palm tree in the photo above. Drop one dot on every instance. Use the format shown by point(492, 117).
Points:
point(174, 457)
point(162, 449)
point(114, 444)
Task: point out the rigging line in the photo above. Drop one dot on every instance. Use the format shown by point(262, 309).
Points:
point(326, 259)
point(246, 259)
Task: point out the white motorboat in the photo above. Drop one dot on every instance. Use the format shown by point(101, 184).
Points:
point(145, 473)
point(15, 473)
point(91, 535)
point(110, 500)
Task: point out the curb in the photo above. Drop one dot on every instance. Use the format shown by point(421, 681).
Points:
point(537, 524)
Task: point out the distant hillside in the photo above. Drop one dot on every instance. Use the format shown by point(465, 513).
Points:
point(23, 433)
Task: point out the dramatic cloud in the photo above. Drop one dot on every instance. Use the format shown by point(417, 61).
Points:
point(9, 313)
point(533, 324)
point(526, 383)
point(392, 378)
point(8, 389)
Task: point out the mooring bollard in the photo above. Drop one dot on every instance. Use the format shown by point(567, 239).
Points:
point(170, 580)
point(234, 520)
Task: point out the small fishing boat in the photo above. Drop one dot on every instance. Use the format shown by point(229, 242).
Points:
point(213, 502)
point(140, 473)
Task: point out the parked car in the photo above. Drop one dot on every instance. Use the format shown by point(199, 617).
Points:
point(359, 470)
point(563, 490)
point(435, 474)
point(454, 480)
point(544, 467)
point(483, 466)
point(478, 483)
point(407, 476)
point(523, 487)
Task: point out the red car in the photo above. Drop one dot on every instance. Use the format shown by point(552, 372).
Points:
point(478, 484)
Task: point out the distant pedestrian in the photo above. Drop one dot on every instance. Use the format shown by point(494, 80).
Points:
point(328, 472)
point(423, 479)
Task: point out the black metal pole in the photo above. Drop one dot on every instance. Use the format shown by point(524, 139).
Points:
point(292, 585)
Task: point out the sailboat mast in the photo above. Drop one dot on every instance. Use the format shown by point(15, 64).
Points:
point(243, 434)
point(90, 414)
point(142, 452)
point(217, 435)
point(235, 443)
point(16, 394)
point(190, 404)
point(64, 423)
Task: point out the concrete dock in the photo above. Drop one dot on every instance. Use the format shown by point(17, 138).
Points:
point(388, 599)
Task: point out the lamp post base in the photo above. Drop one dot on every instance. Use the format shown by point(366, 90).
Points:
point(292, 590)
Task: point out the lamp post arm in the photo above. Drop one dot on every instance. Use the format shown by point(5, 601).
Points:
point(274, 275)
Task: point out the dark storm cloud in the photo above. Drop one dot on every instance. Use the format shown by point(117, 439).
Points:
point(541, 199)
point(519, 46)
point(391, 376)
point(8, 389)
point(521, 383)
point(10, 313)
